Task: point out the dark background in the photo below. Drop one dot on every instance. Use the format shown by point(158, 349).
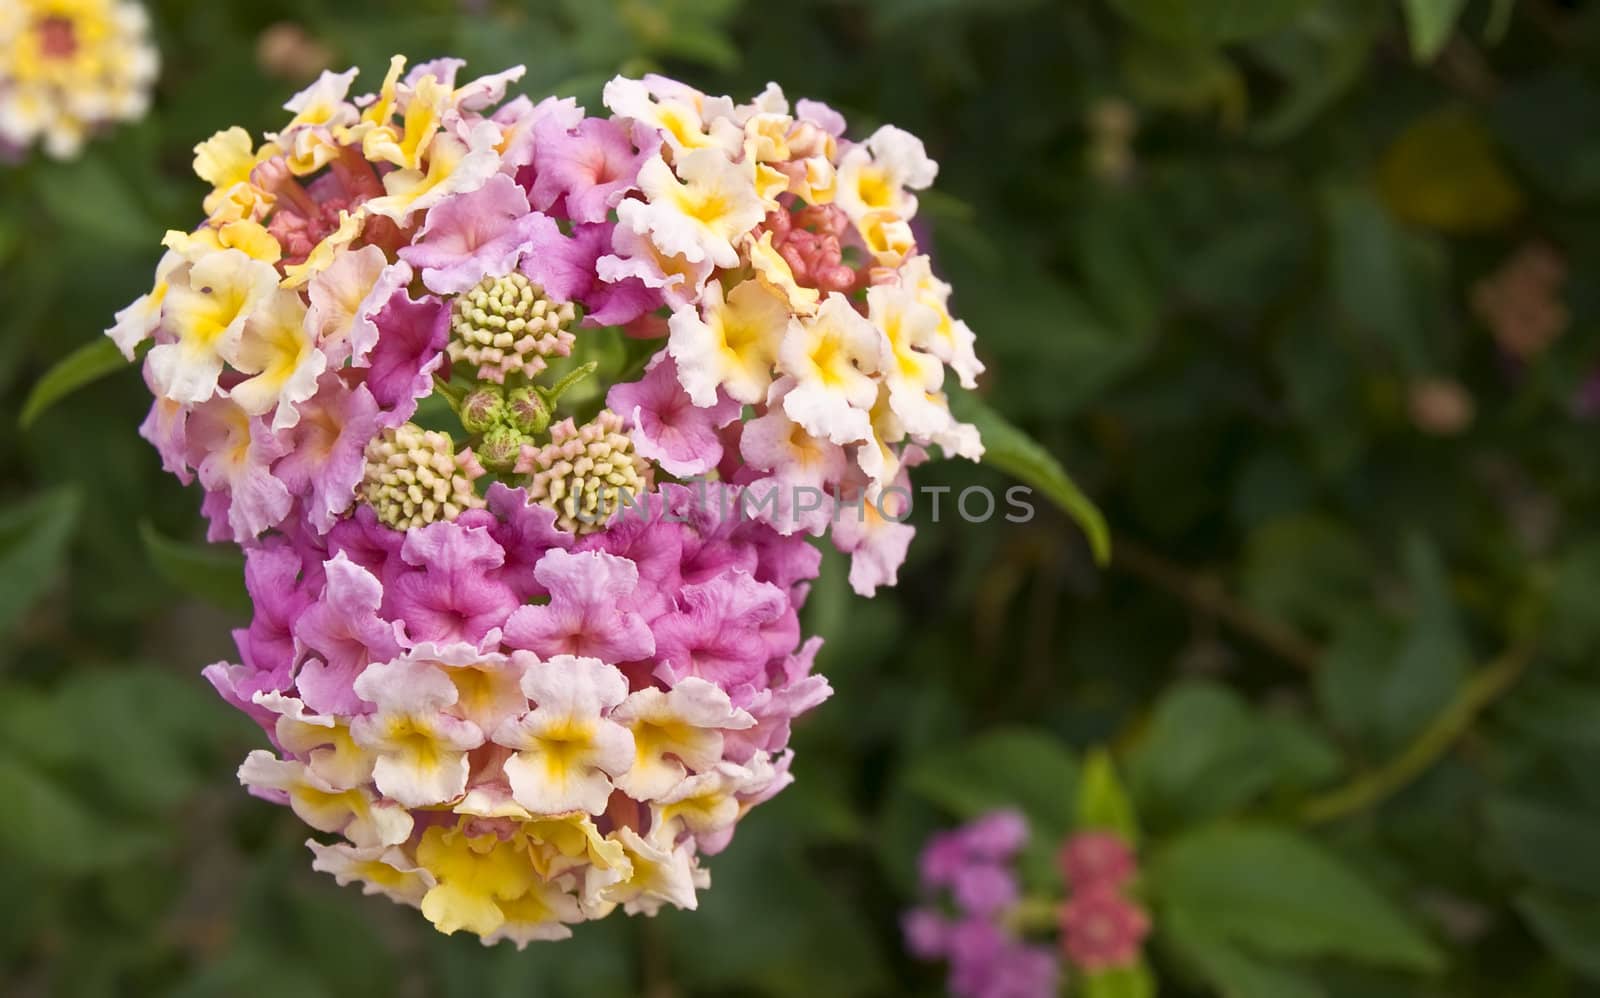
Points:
point(1258, 274)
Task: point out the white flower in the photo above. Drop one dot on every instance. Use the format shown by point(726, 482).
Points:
point(728, 344)
point(832, 357)
point(204, 312)
point(700, 215)
point(880, 173)
point(567, 750)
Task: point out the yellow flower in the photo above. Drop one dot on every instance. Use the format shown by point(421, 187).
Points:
point(67, 66)
point(731, 344)
point(281, 358)
point(454, 167)
point(698, 212)
point(225, 161)
point(206, 310)
point(324, 253)
point(425, 105)
point(474, 875)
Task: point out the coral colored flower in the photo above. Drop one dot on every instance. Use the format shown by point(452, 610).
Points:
point(1096, 857)
point(1101, 929)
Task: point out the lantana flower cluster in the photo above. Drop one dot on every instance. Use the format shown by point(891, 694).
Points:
point(524, 658)
point(68, 67)
point(977, 919)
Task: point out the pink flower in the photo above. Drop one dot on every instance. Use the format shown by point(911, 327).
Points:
point(368, 543)
point(453, 591)
point(673, 280)
point(564, 266)
point(926, 931)
point(586, 615)
point(323, 463)
point(877, 544)
point(1101, 929)
point(985, 889)
point(1094, 858)
point(720, 632)
point(233, 453)
point(280, 589)
point(794, 691)
point(654, 546)
point(411, 342)
point(589, 169)
point(666, 426)
point(524, 531)
point(343, 628)
point(166, 428)
point(996, 836)
point(478, 235)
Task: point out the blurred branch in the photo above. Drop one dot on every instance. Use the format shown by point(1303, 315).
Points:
point(1431, 745)
point(1207, 595)
point(653, 962)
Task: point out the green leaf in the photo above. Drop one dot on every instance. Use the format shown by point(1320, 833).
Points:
point(213, 573)
point(1206, 752)
point(1371, 275)
point(1233, 972)
point(1382, 683)
point(1445, 171)
point(1269, 889)
point(1015, 453)
point(1430, 23)
point(1305, 569)
point(1122, 982)
point(89, 196)
point(1015, 767)
point(1102, 802)
point(1555, 848)
point(1201, 22)
point(1570, 928)
point(33, 544)
point(44, 825)
point(90, 362)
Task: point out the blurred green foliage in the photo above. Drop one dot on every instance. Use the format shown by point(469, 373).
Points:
point(1248, 269)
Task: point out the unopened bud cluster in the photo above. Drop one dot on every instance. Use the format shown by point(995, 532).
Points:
point(584, 472)
point(508, 325)
point(413, 477)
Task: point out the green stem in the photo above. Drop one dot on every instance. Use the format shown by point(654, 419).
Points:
point(452, 394)
point(1452, 722)
point(553, 394)
point(1034, 914)
point(1207, 595)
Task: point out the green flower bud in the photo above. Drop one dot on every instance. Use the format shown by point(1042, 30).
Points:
point(500, 448)
point(482, 409)
point(526, 411)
